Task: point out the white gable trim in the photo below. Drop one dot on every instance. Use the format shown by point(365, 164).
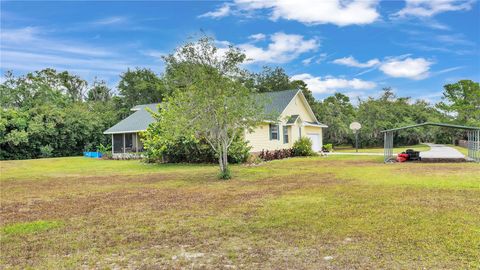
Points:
point(314, 125)
point(305, 102)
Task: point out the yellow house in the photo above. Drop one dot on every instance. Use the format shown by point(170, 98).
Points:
point(296, 119)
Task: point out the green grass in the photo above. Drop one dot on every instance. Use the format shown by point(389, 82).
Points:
point(76, 212)
point(81, 166)
point(462, 150)
point(396, 150)
point(30, 227)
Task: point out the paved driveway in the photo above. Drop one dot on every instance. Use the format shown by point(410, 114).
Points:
point(441, 151)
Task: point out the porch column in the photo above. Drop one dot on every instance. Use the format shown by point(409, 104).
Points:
point(136, 143)
point(113, 146)
point(124, 143)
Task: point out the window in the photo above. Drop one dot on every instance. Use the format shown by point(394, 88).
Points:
point(285, 134)
point(274, 132)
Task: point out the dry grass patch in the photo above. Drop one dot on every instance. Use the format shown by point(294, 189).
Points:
point(304, 213)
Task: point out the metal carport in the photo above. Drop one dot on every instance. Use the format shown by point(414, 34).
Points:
point(473, 135)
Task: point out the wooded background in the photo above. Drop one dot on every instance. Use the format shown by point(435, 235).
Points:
point(48, 113)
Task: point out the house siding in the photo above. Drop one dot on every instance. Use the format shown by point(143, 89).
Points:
point(297, 106)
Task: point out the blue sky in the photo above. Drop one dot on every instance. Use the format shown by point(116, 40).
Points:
point(353, 47)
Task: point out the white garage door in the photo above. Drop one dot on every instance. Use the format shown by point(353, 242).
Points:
point(315, 141)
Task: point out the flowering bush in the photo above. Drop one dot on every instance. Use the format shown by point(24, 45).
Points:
point(276, 154)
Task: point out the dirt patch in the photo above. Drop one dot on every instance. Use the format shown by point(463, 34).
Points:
point(156, 199)
point(437, 168)
point(54, 188)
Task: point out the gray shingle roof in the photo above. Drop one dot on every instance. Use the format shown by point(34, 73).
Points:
point(277, 101)
point(137, 121)
point(292, 119)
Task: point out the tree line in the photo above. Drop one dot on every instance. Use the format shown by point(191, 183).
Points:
point(48, 113)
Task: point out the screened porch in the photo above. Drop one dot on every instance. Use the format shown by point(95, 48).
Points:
point(126, 143)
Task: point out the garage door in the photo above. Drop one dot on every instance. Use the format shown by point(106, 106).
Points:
point(315, 141)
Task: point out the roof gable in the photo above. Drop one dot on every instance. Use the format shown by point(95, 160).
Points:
point(277, 101)
point(137, 121)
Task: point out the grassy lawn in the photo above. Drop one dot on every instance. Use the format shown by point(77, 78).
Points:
point(396, 150)
point(462, 150)
point(336, 212)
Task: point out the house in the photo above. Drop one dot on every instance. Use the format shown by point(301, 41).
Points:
point(296, 119)
point(126, 133)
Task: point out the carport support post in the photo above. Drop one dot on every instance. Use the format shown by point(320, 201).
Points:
point(473, 145)
point(476, 147)
point(385, 147)
point(468, 143)
point(388, 146)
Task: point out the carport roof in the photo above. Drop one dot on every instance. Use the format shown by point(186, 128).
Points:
point(433, 124)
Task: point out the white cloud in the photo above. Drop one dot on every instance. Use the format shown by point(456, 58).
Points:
point(281, 49)
point(307, 61)
point(155, 54)
point(222, 11)
point(315, 59)
point(336, 12)
point(331, 84)
point(29, 49)
point(257, 37)
point(352, 62)
point(20, 35)
point(30, 39)
point(429, 8)
point(30, 61)
point(411, 68)
point(454, 39)
point(110, 21)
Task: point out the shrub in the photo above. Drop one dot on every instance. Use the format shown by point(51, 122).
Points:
point(104, 149)
point(225, 175)
point(328, 147)
point(46, 151)
point(303, 147)
point(239, 151)
point(267, 155)
point(190, 150)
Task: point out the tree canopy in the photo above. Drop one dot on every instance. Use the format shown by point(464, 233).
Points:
point(207, 96)
point(209, 100)
point(141, 86)
point(461, 102)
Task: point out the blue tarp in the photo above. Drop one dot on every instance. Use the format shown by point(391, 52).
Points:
point(92, 154)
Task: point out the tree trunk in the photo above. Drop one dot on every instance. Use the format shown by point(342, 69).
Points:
point(225, 157)
point(220, 160)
